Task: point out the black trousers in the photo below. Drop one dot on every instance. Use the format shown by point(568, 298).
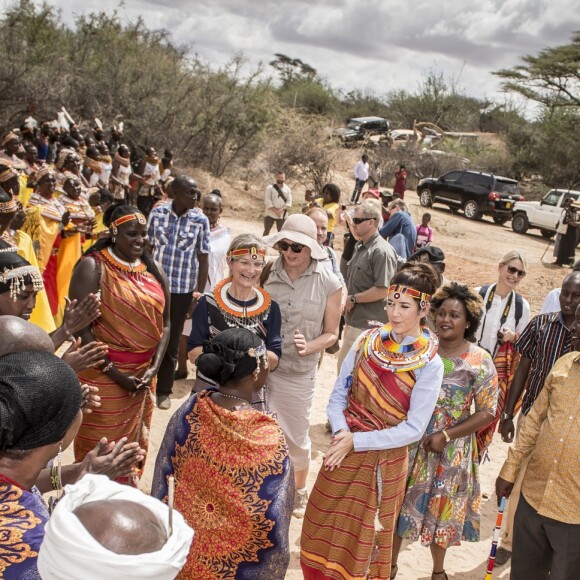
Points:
point(543, 548)
point(180, 304)
point(269, 222)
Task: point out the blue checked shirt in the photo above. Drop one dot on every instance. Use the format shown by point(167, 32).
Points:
point(177, 241)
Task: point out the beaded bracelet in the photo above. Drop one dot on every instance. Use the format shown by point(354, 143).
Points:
point(107, 367)
point(54, 477)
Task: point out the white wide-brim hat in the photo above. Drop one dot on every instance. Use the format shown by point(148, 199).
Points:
point(301, 229)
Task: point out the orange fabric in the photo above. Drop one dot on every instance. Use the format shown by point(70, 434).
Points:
point(352, 512)
point(131, 324)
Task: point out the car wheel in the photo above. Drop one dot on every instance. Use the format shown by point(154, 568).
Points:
point(471, 210)
point(500, 220)
point(425, 198)
point(520, 223)
point(547, 234)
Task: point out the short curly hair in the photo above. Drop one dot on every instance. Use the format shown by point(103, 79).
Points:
point(471, 301)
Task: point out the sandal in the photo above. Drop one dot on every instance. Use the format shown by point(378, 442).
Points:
point(435, 574)
point(394, 570)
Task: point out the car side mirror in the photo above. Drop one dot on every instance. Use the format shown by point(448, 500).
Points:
point(541, 202)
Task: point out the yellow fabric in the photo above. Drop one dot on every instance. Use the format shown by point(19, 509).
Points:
point(25, 191)
point(330, 209)
point(69, 254)
point(550, 438)
point(41, 315)
point(43, 232)
point(100, 227)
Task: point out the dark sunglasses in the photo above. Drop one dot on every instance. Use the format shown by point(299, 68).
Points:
point(296, 248)
point(514, 270)
point(360, 220)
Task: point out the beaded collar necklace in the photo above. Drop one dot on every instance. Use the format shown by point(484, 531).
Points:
point(236, 311)
point(133, 267)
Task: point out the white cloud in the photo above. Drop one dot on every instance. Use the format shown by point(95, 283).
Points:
point(377, 44)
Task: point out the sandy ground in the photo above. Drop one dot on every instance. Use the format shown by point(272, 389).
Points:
point(472, 252)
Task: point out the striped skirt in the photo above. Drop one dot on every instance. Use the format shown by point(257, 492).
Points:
point(351, 516)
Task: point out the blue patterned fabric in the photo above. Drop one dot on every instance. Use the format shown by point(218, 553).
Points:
point(23, 515)
point(234, 486)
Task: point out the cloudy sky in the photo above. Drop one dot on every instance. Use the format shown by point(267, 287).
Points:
point(379, 45)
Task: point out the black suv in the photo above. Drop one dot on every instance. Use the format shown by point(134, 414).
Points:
point(358, 128)
point(474, 192)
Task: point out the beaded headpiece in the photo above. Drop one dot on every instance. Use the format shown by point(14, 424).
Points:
point(260, 353)
point(8, 206)
point(127, 218)
point(17, 279)
point(12, 136)
point(253, 252)
point(422, 297)
point(43, 172)
point(7, 173)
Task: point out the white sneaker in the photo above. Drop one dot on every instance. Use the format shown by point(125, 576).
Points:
point(300, 502)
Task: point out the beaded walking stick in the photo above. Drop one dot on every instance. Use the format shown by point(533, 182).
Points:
point(496, 532)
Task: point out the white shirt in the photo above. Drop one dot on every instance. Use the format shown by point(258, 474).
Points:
point(552, 301)
point(273, 200)
point(490, 321)
point(361, 170)
point(423, 399)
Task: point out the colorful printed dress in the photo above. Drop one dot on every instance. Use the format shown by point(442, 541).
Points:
point(234, 486)
point(23, 515)
point(442, 501)
point(131, 324)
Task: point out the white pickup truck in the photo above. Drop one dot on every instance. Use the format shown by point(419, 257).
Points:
point(544, 214)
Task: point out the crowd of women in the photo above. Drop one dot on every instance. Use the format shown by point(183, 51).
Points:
point(405, 447)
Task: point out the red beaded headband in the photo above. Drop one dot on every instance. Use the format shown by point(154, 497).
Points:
point(253, 252)
point(127, 218)
point(423, 298)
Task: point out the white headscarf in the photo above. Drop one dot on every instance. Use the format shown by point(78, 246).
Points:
point(69, 551)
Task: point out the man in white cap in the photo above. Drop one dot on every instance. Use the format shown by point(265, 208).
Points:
point(102, 529)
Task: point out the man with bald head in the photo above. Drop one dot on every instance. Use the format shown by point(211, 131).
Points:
point(546, 338)
point(102, 529)
point(179, 235)
point(19, 335)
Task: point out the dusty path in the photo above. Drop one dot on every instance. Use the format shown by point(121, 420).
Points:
point(472, 250)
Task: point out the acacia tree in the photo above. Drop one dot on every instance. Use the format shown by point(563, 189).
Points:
point(551, 78)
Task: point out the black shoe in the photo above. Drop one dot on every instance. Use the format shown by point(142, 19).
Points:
point(163, 402)
point(177, 376)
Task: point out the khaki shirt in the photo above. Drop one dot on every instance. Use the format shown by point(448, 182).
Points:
point(302, 305)
point(373, 263)
point(551, 437)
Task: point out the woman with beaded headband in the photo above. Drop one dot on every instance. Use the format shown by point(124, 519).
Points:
point(233, 476)
point(382, 401)
point(134, 324)
point(238, 302)
point(442, 504)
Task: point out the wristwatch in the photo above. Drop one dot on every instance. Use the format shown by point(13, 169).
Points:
point(352, 299)
point(505, 416)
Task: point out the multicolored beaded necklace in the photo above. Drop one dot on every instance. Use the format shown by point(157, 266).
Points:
point(385, 352)
point(235, 314)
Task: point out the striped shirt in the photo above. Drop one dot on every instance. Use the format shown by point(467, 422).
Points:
point(177, 241)
point(544, 340)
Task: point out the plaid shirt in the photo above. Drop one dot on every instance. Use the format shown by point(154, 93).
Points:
point(544, 340)
point(176, 243)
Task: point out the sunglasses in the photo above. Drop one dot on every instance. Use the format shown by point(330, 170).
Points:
point(358, 221)
point(295, 247)
point(514, 270)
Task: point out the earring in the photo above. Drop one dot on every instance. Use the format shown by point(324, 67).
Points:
point(56, 479)
point(113, 240)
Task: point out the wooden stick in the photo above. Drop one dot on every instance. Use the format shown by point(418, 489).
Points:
point(170, 492)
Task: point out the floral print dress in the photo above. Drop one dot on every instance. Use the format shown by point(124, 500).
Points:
point(442, 502)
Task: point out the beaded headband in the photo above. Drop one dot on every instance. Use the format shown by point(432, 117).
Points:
point(127, 218)
point(423, 298)
point(7, 174)
point(43, 172)
point(17, 279)
point(253, 252)
point(10, 137)
point(8, 206)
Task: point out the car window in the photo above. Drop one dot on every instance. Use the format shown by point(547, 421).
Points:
point(353, 125)
point(506, 186)
point(552, 198)
point(482, 181)
point(453, 176)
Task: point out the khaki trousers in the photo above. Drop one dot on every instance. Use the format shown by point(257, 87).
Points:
point(512, 503)
point(349, 335)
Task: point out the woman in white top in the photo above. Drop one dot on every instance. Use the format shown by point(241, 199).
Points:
point(121, 172)
point(505, 315)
